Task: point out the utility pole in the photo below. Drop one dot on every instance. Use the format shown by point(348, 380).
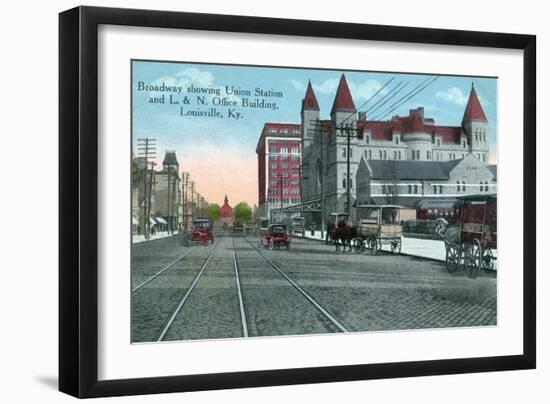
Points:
point(192, 199)
point(185, 179)
point(146, 148)
point(168, 201)
point(175, 201)
point(347, 130)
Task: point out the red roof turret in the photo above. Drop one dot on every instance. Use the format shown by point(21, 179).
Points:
point(474, 111)
point(415, 123)
point(226, 211)
point(310, 101)
point(343, 100)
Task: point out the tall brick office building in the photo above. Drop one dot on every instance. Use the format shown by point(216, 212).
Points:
point(279, 161)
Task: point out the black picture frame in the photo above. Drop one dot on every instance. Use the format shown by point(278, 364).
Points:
point(78, 196)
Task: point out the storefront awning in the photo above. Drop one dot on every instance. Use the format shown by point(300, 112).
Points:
point(161, 220)
point(134, 220)
point(152, 221)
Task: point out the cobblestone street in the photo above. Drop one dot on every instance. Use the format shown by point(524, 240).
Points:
point(233, 287)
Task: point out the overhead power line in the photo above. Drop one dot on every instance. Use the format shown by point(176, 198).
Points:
point(415, 91)
point(370, 98)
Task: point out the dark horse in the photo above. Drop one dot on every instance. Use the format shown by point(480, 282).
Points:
point(343, 233)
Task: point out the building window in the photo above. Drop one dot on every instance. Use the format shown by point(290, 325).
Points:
point(397, 140)
point(383, 188)
point(458, 186)
point(350, 183)
point(351, 152)
point(370, 154)
point(380, 152)
point(385, 156)
point(435, 189)
point(399, 154)
point(441, 189)
point(416, 189)
point(367, 139)
point(410, 189)
point(427, 155)
point(418, 154)
point(463, 186)
point(343, 152)
point(344, 183)
point(438, 142)
point(486, 186)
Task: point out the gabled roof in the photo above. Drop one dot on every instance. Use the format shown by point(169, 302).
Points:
point(343, 99)
point(411, 170)
point(310, 101)
point(474, 111)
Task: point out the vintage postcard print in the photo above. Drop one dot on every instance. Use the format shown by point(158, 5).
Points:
point(274, 201)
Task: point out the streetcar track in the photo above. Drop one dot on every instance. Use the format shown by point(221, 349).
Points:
point(161, 271)
point(239, 292)
point(187, 293)
point(333, 320)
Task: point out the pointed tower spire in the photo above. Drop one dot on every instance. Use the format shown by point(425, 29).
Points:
point(225, 200)
point(343, 100)
point(310, 101)
point(474, 110)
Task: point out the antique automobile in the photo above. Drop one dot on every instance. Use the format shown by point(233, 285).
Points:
point(201, 232)
point(470, 242)
point(275, 236)
point(378, 225)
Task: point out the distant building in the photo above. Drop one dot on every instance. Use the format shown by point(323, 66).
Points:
point(279, 166)
point(168, 193)
point(226, 212)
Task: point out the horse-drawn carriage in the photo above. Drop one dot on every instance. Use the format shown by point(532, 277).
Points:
point(275, 236)
point(469, 243)
point(336, 220)
point(378, 225)
point(237, 229)
point(201, 232)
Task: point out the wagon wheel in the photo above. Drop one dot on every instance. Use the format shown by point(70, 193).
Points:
point(472, 258)
point(396, 246)
point(487, 260)
point(359, 245)
point(452, 257)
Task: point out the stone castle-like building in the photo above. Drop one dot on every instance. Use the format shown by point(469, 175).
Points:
point(401, 154)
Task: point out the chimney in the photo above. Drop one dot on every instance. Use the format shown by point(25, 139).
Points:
point(421, 112)
point(362, 115)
